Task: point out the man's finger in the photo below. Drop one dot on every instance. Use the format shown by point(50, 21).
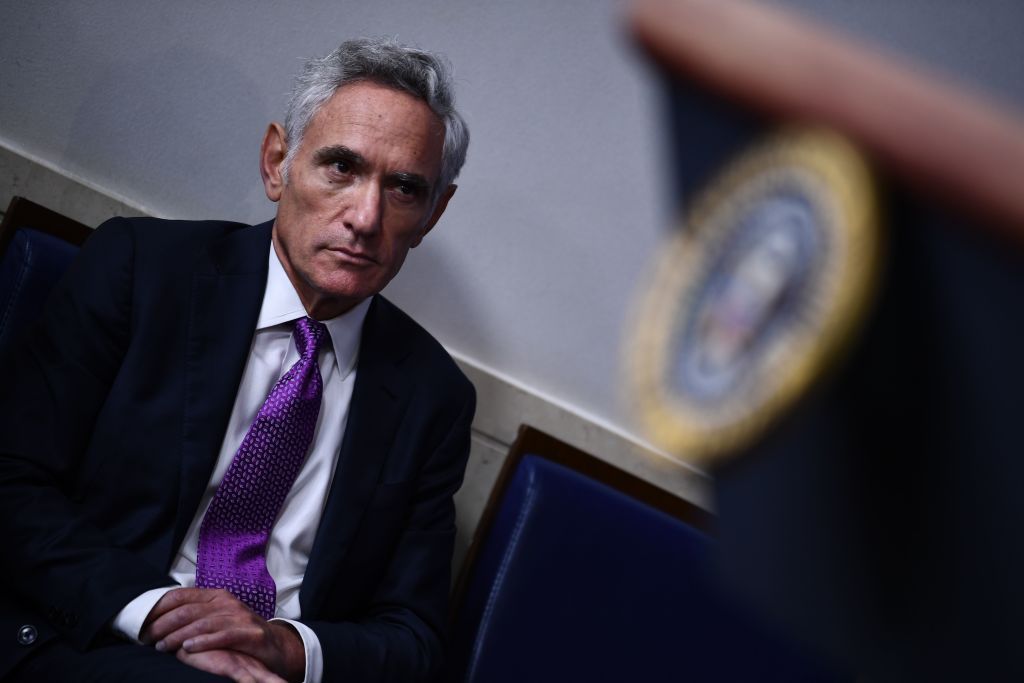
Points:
point(191, 611)
point(247, 638)
point(175, 600)
point(172, 639)
point(276, 645)
point(218, 633)
point(181, 596)
point(239, 667)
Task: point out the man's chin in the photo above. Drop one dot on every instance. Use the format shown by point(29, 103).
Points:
point(333, 297)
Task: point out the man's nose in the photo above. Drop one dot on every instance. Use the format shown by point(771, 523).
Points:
point(364, 214)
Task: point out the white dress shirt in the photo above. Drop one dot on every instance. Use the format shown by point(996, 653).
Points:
point(272, 353)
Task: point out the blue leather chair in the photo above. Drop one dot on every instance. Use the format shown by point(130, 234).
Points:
point(573, 580)
point(36, 246)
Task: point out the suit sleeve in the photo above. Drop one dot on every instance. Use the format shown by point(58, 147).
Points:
point(400, 638)
point(57, 563)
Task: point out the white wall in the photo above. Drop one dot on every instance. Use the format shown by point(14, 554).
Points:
point(559, 206)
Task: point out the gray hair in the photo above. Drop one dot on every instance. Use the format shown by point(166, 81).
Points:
point(383, 61)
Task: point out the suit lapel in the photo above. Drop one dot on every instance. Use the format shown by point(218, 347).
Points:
point(227, 292)
point(378, 402)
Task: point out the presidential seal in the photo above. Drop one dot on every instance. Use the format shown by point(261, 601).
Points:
point(756, 295)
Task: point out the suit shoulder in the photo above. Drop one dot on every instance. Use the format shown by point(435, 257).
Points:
point(171, 246)
point(422, 349)
point(159, 230)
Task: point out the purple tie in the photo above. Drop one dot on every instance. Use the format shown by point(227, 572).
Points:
point(234, 533)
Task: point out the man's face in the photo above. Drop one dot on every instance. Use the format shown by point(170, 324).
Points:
point(358, 194)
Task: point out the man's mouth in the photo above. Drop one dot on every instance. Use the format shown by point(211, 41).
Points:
point(353, 256)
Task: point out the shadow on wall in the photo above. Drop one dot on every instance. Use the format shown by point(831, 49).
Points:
point(434, 288)
point(437, 290)
point(194, 157)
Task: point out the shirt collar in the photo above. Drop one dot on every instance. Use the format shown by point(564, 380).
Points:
point(281, 304)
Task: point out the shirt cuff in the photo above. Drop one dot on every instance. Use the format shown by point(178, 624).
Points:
point(314, 655)
point(128, 622)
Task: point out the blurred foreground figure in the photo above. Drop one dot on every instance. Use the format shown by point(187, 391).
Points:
point(219, 440)
point(836, 331)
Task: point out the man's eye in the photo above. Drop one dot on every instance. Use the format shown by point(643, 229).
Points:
point(407, 192)
point(342, 166)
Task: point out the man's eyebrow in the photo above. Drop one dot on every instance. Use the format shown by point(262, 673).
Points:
point(414, 179)
point(338, 153)
point(333, 153)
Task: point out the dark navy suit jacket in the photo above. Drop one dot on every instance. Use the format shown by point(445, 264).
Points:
point(112, 415)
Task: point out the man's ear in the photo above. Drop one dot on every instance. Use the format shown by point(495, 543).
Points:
point(272, 154)
point(442, 204)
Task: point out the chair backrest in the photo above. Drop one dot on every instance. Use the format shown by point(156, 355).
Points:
point(575, 580)
point(36, 246)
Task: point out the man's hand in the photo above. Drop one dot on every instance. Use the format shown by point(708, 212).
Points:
point(210, 622)
point(239, 667)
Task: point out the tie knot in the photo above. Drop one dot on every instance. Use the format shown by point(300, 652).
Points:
point(309, 334)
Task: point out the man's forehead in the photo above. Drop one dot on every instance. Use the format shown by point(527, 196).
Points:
point(371, 118)
point(370, 104)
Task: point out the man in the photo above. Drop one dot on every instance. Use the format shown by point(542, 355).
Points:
point(236, 408)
